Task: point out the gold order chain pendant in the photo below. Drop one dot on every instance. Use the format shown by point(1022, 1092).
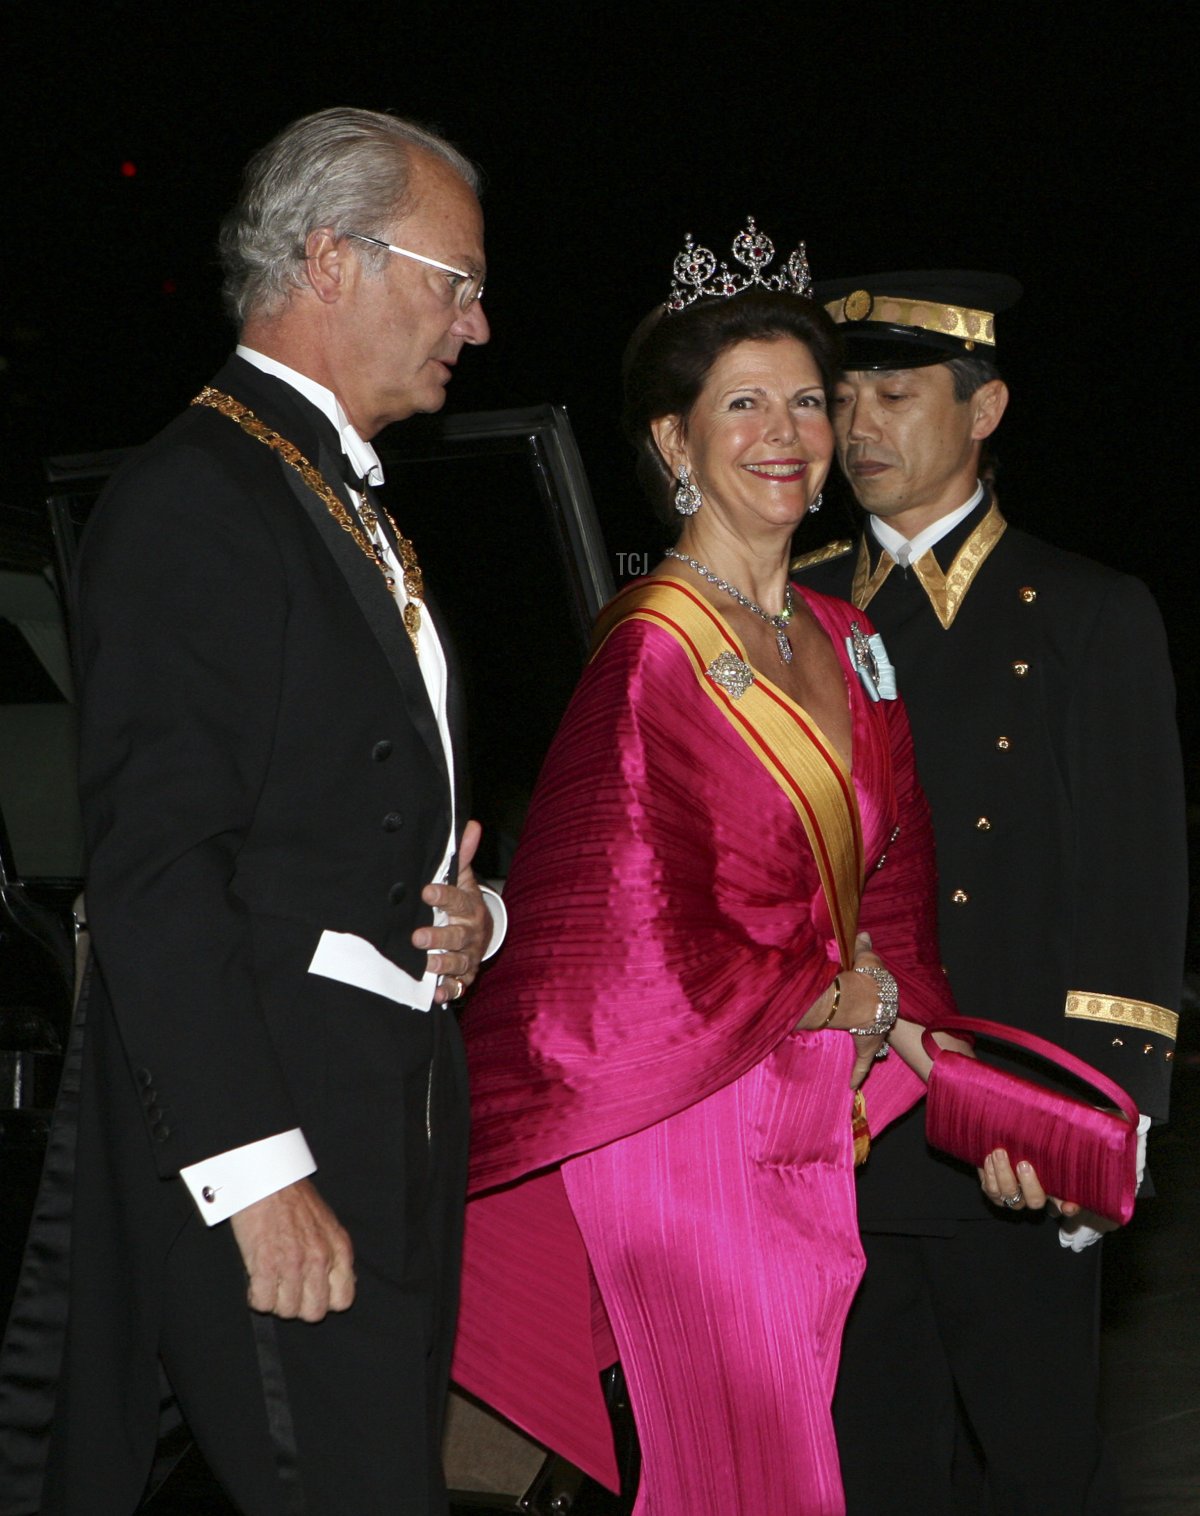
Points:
point(414, 584)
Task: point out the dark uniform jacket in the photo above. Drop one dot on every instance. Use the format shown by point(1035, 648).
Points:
point(1043, 713)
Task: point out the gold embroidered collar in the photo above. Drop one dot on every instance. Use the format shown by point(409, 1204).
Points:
point(947, 590)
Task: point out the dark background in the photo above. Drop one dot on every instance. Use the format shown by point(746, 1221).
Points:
point(1042, 140)
point(1046, 139)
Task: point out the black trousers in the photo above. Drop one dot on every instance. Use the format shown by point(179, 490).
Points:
point(1000, 1325)
point(297, 1419)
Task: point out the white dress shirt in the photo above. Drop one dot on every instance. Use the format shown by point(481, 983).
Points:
point(905, 550)
point(228, 1182)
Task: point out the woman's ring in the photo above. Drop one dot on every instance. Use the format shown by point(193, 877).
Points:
point(1013, 1201)
point(459, 990)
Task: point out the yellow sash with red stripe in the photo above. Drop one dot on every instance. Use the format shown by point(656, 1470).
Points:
point(780, 734)
point(784, 739)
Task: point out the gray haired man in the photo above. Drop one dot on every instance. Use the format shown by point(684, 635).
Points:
point(266, 1155)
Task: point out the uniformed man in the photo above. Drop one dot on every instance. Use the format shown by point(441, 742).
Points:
point(1042, 707)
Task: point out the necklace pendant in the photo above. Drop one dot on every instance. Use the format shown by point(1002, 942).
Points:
point(783, 644)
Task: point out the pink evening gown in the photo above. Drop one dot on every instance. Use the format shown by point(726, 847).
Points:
point(662, 1168)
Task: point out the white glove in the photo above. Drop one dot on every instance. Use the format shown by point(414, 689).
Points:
point(1079, 1232)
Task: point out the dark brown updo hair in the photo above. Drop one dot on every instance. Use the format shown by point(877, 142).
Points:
point(671, 355)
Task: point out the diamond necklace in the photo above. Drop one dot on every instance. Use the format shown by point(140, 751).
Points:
point(779, 622)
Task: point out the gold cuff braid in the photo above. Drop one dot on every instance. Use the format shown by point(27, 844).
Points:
point(1082, 1005)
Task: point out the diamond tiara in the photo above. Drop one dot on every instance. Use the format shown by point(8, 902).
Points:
point(698, 274)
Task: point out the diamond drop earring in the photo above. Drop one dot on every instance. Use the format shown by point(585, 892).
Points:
point(816, 504)
point(687, 495)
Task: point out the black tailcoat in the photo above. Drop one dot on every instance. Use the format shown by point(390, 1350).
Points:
point(259, 762)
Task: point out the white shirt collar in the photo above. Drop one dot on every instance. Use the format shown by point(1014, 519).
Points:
point(907, 550)
point(364, 460)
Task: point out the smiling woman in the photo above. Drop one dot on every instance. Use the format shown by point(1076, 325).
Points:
point(757, 442)
point(733, 397)
point(673, 1116)
point(673, 362)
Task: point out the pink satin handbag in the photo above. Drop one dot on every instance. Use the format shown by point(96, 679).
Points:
point(1079, 1152)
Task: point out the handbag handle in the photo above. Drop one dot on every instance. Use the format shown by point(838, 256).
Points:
point(1033, 1044)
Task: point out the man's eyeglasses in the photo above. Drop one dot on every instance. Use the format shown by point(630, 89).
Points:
point(467, 287)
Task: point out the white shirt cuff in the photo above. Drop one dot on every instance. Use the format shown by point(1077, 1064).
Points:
point(229, 1182)
point(499, 914)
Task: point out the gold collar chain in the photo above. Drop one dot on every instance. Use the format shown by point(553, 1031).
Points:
point(414, 584)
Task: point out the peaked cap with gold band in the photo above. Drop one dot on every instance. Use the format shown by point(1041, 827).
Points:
point(910, 320)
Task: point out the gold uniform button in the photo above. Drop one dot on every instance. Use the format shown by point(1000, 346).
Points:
point(1028, 594)
point(1020, 668)
point(960, 897)
point(983, 824)
point(1003, 744)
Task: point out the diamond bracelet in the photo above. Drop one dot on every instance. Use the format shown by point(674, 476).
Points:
point(889, 1004)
